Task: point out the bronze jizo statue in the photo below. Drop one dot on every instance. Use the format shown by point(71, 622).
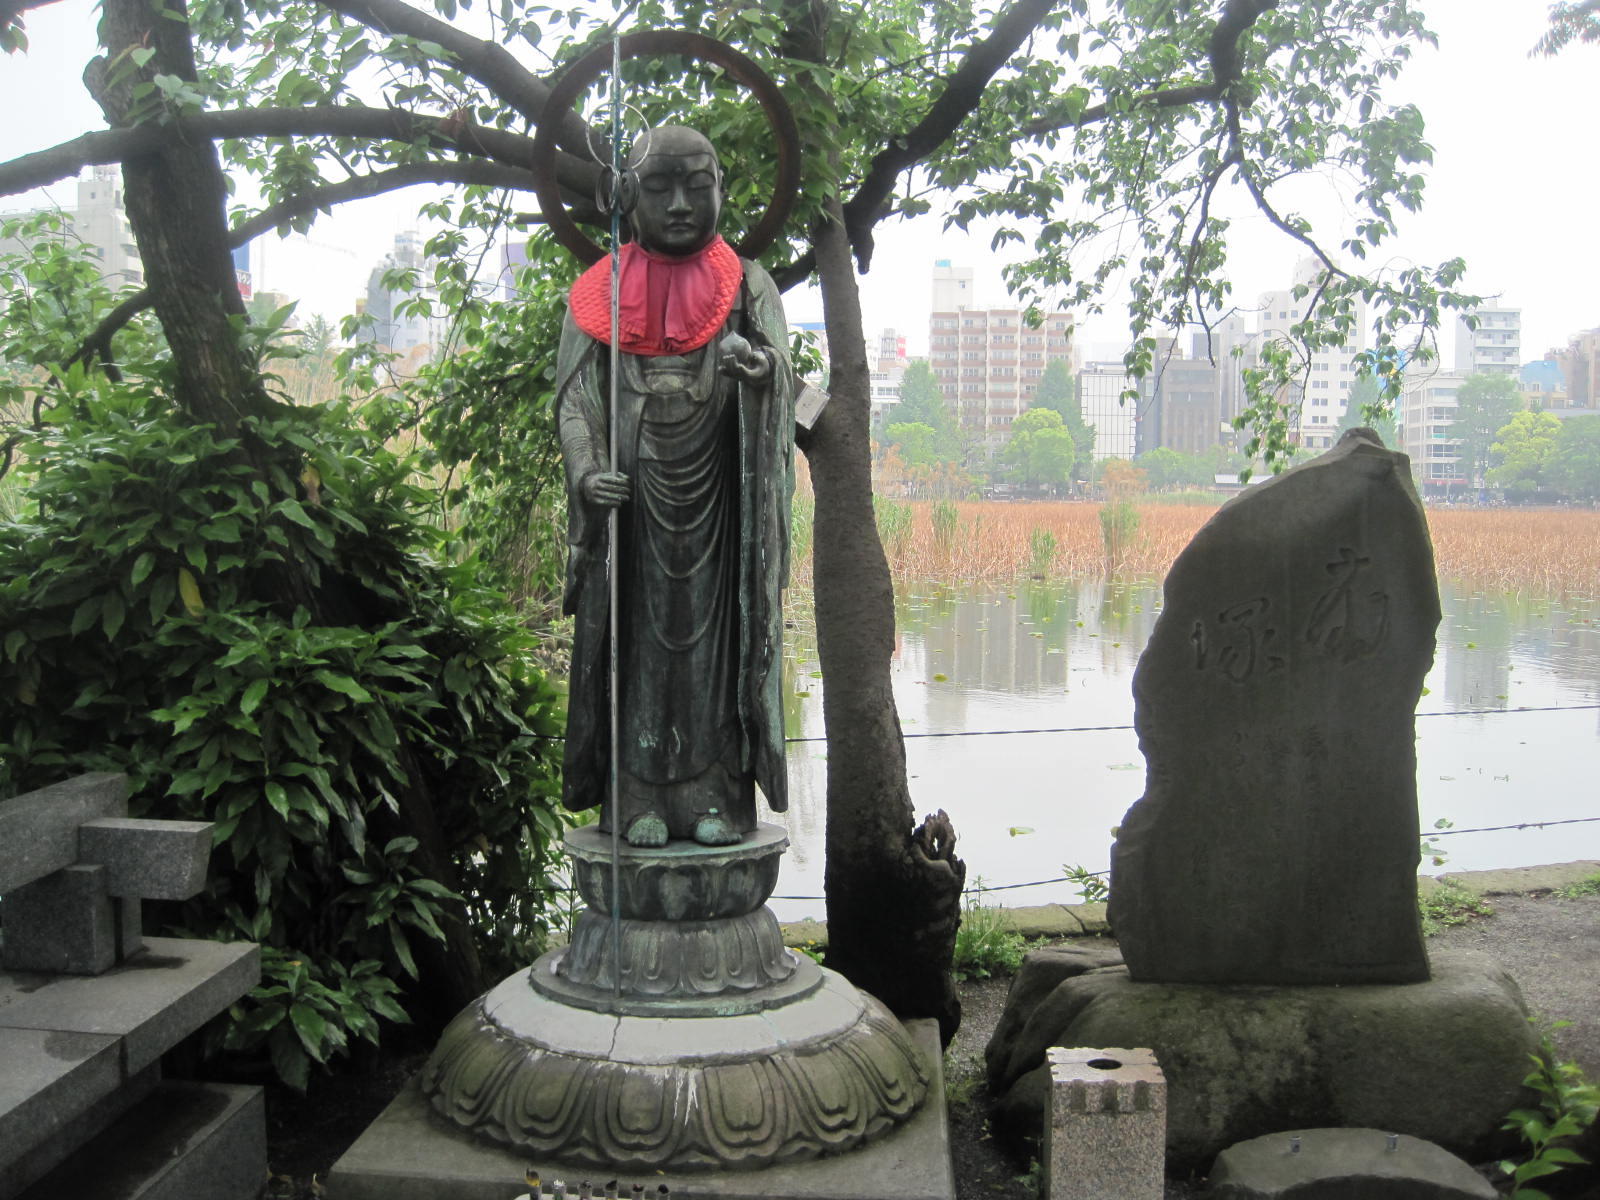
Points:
point(701, 487)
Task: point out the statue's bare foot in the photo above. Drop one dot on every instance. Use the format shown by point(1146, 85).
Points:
point(647, 830)
point(715, 830)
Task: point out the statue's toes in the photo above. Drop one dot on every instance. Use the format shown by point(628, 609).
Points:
point(714, 830)
point(647, 830)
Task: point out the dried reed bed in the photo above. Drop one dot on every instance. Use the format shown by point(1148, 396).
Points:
point(1541, 549)
point(1535, 549)
point(991, 540)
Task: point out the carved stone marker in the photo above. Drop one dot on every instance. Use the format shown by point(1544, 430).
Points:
point(1277, 841)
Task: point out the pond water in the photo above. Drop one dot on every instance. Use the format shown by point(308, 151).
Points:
point(1017, 707)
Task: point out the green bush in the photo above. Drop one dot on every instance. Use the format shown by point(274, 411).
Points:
point(987, 942)
point(1041, 552)
point(136, 639)
point(1119, 525)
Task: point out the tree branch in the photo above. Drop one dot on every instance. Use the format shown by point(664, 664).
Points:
point(490, 63)
point(98, 343)
point(117, 145)
point(963, 90)
point(1237, 17)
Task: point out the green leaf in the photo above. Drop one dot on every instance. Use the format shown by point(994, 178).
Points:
point(402, 948)
point(277, 798)
point(289, 1058)
point(342, 684)
point(253, 695)
point(112, 615)
point(313, 1030)
point(142, 566)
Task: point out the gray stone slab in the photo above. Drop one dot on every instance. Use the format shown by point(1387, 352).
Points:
point(1343, 1164)
point(409, 1154)
point(148, 860)
point(46, 1079)
point(58, 1146)
point(39, 830)
point(187, 1141)
point(65, 922)
point(152, 1001)
point(1277, 840)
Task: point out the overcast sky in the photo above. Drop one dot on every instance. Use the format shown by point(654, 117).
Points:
point(1514, 186)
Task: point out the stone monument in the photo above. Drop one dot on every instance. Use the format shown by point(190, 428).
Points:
point(1277, 841)
point(676, 1033)
point(1263, 891)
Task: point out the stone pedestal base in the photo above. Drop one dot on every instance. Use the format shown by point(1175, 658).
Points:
point(1442, 1060)
point(411, 1153)
point(676, 1031)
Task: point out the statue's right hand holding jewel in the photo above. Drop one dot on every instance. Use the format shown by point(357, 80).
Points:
point(605, 489)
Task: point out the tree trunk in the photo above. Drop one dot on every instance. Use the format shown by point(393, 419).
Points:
point(176, 204)
point(893, 895)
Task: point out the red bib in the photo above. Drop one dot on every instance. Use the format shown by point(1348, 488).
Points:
point(669, 305)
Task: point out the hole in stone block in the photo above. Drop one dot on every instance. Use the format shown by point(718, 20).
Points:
point(1103, 1064)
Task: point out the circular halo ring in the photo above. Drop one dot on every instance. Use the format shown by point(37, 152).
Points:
point(743, 70)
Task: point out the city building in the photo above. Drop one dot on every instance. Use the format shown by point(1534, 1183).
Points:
point(1580, 365)
point(392, 326)
point(101, 222)
point(1100, 394)
point(989, 361)
point(1317, 403)
point(1495, 346)
point(1542, 383)
point(887, 362)
point(1181, 404)
point(1425, 417)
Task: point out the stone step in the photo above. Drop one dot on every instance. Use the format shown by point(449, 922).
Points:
point(186, 1141)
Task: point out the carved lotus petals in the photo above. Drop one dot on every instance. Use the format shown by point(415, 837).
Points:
point(682, 882)
point(661, 958)
point(745, 1092)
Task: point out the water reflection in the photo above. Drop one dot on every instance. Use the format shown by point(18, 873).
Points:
point(994, 664)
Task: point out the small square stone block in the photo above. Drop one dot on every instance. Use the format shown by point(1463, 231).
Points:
point(63, 923)
point(148, 860)
point(1106, 1134)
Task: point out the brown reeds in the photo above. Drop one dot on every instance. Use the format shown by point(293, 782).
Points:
point(1533, 549)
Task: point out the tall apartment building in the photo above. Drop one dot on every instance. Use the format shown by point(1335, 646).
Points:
point(1100, 389)
point(1181, 403)
point(988, 360)
point(1317, 405)
point(1495, 346)
point(100, 221)
point(1425, 416)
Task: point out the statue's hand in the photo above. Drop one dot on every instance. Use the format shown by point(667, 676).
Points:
point(738, 359)
point(604, 489)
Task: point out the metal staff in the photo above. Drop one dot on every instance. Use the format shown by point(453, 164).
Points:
point(613, 522)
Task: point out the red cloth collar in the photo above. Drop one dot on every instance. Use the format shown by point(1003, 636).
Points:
point(669, 305)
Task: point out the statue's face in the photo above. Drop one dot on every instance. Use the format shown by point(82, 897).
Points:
point(680, 197)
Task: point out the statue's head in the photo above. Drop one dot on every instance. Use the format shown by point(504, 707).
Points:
point(680, 190)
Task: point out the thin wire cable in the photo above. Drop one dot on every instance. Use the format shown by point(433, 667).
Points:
point(1463, 712)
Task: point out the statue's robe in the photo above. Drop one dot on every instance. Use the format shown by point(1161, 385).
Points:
point(702, 556)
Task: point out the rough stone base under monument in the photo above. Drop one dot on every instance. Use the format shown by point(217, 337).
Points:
point(1441, 1060)
point(409, 1153)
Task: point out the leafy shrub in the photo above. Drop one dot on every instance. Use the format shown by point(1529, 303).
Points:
point(136, 640)
point(1568, 1104)
point(987, 942)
